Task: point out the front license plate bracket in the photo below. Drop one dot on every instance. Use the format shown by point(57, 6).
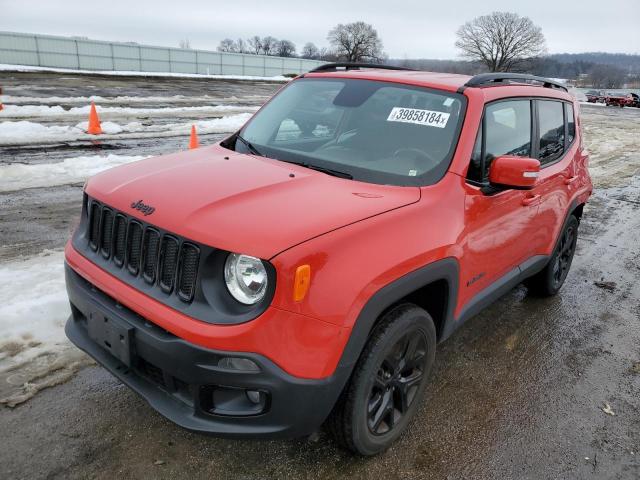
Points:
point(111, 334)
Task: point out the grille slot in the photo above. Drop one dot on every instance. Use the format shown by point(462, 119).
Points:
point(158, 258)
point(151, 247)
point(187, 271)
point(106, 232)
point(168, 263)
point(94, 226)
point(120, 240)
point(134, 247)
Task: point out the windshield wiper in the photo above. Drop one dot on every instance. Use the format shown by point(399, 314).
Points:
point(328, 171)
point(249, 145)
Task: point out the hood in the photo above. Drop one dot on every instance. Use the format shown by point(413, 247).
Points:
point(241, 203)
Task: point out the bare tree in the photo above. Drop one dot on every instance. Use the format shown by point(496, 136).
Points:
point(285, 48)
point(269, 45)
point(356, 42)
point(185, 43)
point(501, 40)
point(241, 46)
point(607, 76)
point(255, 45)
point(309, 51)
point(227, 45)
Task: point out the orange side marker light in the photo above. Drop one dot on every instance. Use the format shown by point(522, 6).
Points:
point(301, 282)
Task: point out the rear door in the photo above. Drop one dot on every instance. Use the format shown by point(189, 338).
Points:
point(555, 148)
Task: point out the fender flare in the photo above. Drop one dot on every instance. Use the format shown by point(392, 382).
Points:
point(446, 269)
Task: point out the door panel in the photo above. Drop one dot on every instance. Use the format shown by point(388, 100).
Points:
point(499, 225)
point(500, 234)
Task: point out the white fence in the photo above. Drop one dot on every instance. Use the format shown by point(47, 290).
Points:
point(81, 54)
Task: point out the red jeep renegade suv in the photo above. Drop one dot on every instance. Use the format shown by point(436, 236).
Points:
point(305, 268)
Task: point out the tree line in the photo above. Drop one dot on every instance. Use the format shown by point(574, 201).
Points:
point(497, 42)
point(351, 42)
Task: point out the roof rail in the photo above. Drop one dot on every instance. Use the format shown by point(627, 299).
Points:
point(492, 79)
point(354, 66)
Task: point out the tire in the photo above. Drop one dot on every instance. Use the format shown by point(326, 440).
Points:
point(549, 280)
point(387, 383)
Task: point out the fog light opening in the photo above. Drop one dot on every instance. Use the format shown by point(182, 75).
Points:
point(233, 401)
point(254, 396)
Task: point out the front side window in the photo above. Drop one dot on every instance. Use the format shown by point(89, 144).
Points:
point(507, 131)
point(371, 131)
point(551, 123)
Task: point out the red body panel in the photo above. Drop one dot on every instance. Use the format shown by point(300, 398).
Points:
point(356, 237)
point(240, 202)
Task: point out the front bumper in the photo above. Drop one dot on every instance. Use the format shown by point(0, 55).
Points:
point(177, 378)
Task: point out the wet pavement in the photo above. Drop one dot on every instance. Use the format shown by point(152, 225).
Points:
point(518, 392)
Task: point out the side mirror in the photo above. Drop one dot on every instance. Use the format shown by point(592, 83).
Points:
point(514, 172)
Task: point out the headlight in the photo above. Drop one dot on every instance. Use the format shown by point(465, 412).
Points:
point(246, 278)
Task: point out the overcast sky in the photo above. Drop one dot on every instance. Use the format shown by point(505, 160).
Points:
point(408, 28)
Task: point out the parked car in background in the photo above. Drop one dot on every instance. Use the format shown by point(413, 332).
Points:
point(635, 100)
point(618, 99)
point(595, 96)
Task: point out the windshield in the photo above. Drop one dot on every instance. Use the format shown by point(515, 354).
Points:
point(376, 132)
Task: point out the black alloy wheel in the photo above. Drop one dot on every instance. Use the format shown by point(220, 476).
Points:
point(396, 383)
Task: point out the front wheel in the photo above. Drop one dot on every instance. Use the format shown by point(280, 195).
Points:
point(548, 281)
point(387, 383)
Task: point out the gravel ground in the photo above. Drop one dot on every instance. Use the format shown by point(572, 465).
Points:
point(518, 392)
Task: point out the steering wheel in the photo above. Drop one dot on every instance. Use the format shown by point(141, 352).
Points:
point(418, 155)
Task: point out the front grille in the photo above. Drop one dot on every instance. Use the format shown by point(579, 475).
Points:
point(94, 226)
point(150, 247)
point(134, 247)
point(120, 240)
point(160, 259)
point(188, 269)
point(106, 229)
point(150, 371)
point(168, 263)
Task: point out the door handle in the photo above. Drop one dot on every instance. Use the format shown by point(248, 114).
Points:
point(570, 180)
point(532, 200)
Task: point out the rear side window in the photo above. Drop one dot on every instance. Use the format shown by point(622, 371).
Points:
point(551, 123)
point(571, 123)
point(507, 131)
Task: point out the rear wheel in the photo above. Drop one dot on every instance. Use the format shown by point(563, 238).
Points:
point(548, 281)
point(387, 383)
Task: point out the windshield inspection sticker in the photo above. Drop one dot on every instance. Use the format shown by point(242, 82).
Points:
point(420, 117)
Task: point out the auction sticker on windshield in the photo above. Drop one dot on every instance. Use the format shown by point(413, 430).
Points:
point(421, 117)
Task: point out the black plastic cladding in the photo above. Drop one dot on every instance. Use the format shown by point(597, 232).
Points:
point(181, 274)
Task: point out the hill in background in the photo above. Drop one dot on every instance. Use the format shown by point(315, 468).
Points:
point(597, 69)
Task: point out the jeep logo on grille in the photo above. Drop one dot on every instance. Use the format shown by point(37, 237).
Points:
point(145, 209)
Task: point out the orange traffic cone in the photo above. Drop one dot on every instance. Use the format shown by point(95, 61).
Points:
point(94, 121)
point(193, 141)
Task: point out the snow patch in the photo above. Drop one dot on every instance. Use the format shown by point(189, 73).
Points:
point(18, 176)
point(34, 351)
point(33, 301)
point(27, 111)
point(24, 132)
point(25, 68)
point(127, 100)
